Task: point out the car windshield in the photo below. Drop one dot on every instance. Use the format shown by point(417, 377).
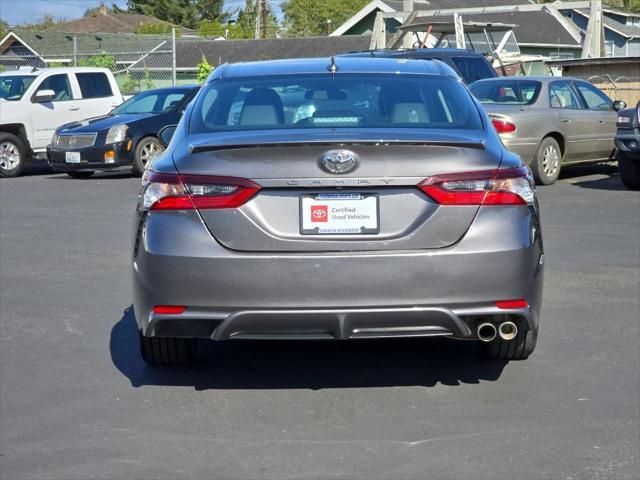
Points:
point(327, 101)
point(509, 92)
point(153, 101)
point(12, 87)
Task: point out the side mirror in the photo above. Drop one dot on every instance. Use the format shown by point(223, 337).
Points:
point(43, 96)
point(619, 105)
point(166, 134)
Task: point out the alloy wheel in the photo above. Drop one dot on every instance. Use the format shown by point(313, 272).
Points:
point(9, 156)
point(550, 160)
point(149, 151)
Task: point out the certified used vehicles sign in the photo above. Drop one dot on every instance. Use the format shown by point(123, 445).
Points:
point(339, 213)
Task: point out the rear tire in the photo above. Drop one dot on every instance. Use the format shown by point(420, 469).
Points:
point(629, 171)
point(167, 350)
point(147, 149)
point(517, 349)
point(547, 162)
point(80, 174)
point(13, 155)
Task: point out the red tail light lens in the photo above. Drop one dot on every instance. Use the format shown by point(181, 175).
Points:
point(492, 187)
point(163, 191)
point(510, 304)
point(169, 309)
point(503, 126)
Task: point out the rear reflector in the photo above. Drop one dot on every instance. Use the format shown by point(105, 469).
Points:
point(503, 126)
point(490, 187)
point(161, 191)
point(509, 304)
point(169, 309)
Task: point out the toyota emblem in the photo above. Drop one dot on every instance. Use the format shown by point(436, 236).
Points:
point(339, 161)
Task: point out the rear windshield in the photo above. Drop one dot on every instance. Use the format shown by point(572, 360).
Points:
point(473, 68)
point(326, 101)
point(510, 92)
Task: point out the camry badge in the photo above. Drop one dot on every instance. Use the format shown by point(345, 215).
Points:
point(339, 161)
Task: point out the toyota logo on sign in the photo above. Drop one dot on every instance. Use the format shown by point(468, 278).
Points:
point(339, 161)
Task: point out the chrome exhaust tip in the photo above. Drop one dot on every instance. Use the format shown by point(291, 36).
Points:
point(486, 332)
point(508, 330)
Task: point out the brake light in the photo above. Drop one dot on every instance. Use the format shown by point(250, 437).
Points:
point(491, 187)
point(503, 126)
point(163, 191)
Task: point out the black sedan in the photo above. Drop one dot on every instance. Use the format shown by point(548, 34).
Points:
point(126, 138)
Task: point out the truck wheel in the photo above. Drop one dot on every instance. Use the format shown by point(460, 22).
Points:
point(13, 154)
point(546, 164)
point(517, 349)
point(167, 350)
point(147, 149)
point(629, 171)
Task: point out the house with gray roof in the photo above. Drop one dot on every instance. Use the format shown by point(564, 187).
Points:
point(621, 30)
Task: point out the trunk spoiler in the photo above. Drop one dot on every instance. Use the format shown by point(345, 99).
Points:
point(337, 143)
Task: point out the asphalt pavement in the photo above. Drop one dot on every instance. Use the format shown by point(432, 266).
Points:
point(77, 402)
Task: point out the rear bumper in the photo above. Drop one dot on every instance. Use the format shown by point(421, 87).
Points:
point(230, 294)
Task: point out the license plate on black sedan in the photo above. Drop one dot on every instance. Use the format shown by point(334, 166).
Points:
point(339, 214)
point(72, 157)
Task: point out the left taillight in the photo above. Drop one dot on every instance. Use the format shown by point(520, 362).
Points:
point(491, 187)
point(166, 191)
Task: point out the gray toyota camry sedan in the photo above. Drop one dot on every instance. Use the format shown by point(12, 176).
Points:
point(347, 198)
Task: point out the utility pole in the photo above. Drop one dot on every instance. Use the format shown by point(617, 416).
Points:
point(263, 13)
point(407, 40)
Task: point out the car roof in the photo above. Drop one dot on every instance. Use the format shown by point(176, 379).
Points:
point(418, 52)
point(343, 65)
point(191, 86)
point(41, 71)
point(541, 79)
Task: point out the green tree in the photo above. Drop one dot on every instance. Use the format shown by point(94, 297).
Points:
point(4, 28)
point(100, 61)
point(187, 13)
point(310, 17)
point(204, 69)
point(211, 28)
point(155, 28)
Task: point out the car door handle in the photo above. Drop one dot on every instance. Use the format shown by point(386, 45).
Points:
point(600, 121)
point(566, 120)
point(74, 109)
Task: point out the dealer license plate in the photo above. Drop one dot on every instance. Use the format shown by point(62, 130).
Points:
point(339, 214)
point(72, 157)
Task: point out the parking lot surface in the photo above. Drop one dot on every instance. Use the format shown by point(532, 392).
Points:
point(77, 402)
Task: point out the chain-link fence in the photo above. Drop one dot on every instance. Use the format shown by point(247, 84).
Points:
point(617, 87)
point(135, 70)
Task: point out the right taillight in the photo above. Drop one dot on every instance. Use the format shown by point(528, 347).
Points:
point(162, 191)
point(503, 126)
point(491, 187)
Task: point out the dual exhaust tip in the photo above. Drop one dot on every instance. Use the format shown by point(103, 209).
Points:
point(488, 331)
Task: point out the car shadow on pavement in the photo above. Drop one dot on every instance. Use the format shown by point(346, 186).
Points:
point(610, 182)
point(308, 365)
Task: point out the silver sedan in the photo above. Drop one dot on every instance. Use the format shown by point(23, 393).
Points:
point(550, 121)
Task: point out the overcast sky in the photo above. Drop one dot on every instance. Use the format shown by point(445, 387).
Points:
point(31, 11)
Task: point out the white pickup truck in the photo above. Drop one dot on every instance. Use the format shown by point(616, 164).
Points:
point(34, 102)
